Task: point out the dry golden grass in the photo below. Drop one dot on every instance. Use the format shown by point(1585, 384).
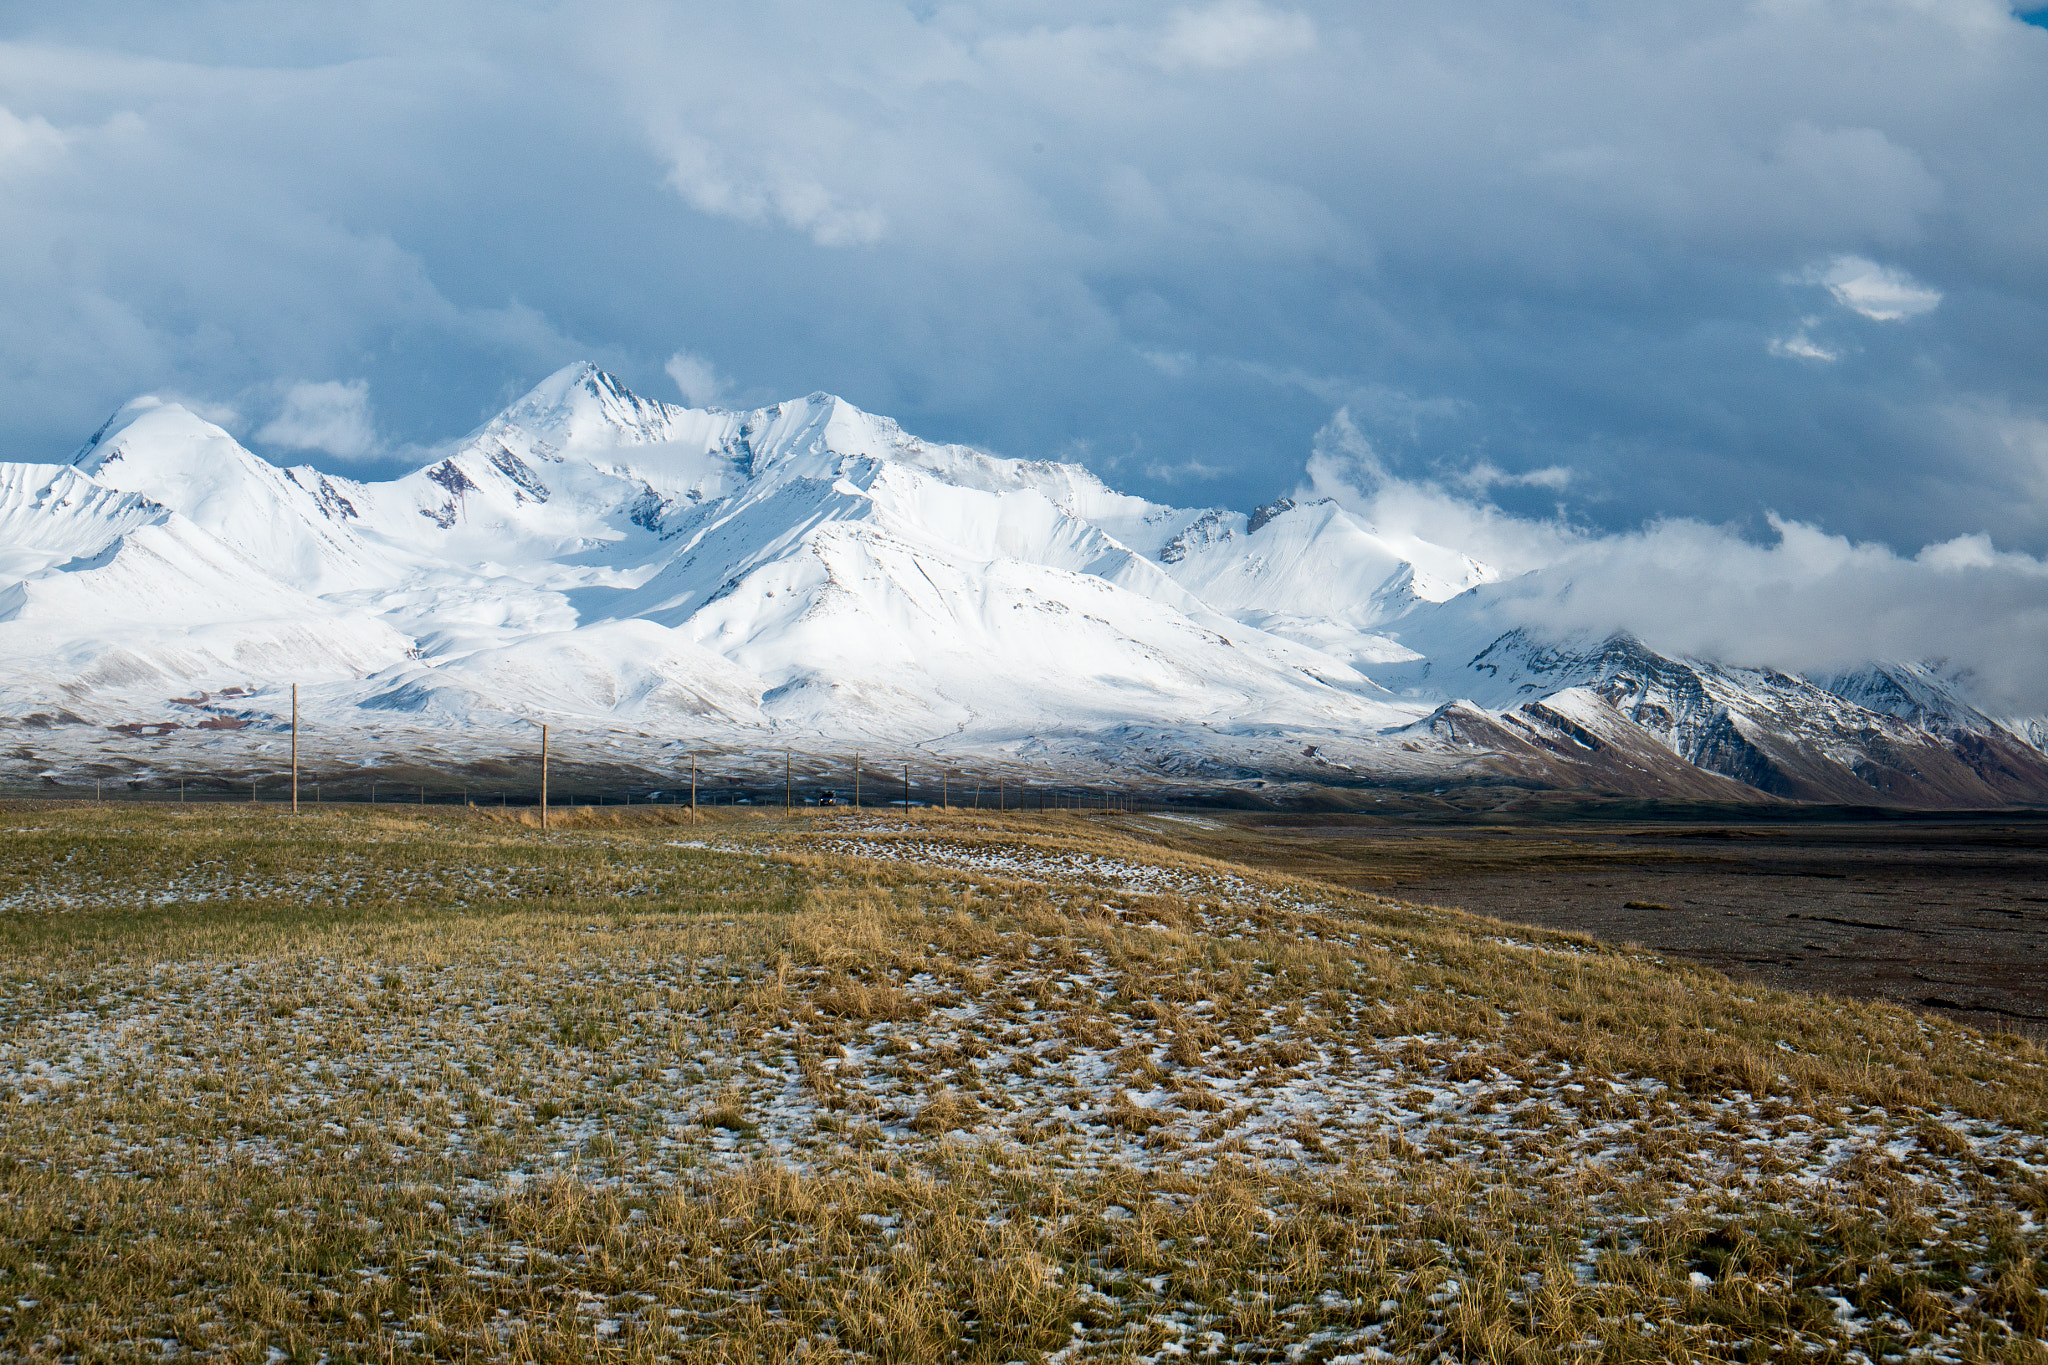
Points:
point(398, 1085)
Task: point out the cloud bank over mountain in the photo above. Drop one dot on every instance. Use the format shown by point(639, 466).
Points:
point(1802, 599)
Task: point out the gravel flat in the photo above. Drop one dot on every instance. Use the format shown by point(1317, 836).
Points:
point(1939, 914)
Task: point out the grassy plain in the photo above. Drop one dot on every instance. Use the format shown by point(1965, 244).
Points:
point(391, 1085)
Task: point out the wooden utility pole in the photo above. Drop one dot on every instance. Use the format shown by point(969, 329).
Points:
point(295, 748)
point(1002, 795)
point(945, 797)
point(788, 791)
point(906, 786)
point(856, 779)
point(693, 789)
point(543, 777)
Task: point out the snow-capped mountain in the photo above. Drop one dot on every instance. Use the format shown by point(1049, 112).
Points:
point(658, 581)
point(1810, 740)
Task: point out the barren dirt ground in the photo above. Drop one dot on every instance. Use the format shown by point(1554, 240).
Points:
point(1943, 915)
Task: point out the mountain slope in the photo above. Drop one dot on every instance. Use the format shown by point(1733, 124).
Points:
point(294, 524)
point(1784, 735)
point(52, 514)
point(653, 577)
point(1314, 559)
point(160, 604)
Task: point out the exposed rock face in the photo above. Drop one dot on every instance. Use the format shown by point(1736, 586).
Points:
point(1919, 744)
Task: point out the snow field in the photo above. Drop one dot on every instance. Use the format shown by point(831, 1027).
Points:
point(809, 575)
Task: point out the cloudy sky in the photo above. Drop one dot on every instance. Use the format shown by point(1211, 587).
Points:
point(1578, 269)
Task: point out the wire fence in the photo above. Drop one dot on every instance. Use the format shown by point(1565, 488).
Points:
point(815, 788)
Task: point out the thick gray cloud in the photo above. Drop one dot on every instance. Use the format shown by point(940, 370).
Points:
point(1598, 264)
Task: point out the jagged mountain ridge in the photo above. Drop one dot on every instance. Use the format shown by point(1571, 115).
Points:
point(1781, 734)
point(663, 577)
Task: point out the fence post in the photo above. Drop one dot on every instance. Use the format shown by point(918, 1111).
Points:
point(295, 748)
point(543, 777)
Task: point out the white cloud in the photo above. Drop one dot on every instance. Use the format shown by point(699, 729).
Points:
point(1486, 474)
point(224, 415)
point(769, 189)
point(1343, 465)
point(1800, 346)
point(1172, 364)
point(1233, 33)
point(24, 141)
point(1879, 292)
point(330, 416)
point(697, 379)
point(1808, 601)
point(1187, 471)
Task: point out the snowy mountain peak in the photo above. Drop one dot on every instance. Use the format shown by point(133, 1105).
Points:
point(807, 571)
point(171, 455)
point(1317, 560)
point(1923, 693)
point(582, 405)
point(165, 433)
